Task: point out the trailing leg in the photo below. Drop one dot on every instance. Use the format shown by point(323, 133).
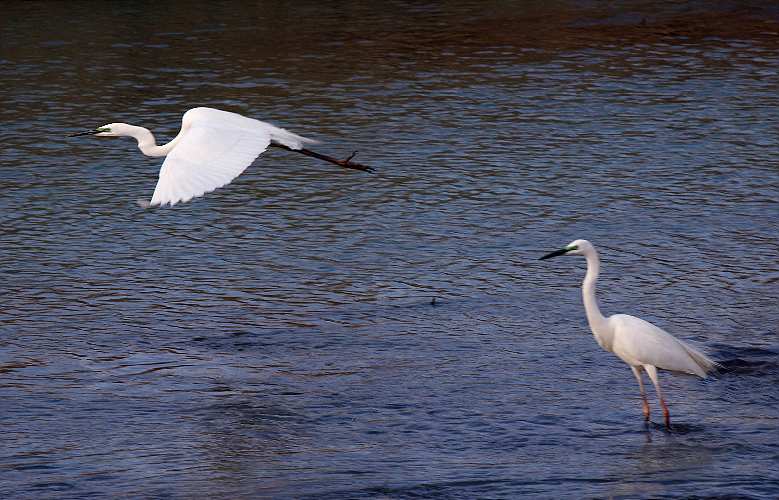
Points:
point(345, 163)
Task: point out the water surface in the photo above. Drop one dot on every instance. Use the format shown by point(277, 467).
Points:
point(276, 338)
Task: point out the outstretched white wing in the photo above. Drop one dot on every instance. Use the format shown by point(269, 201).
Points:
point(206, 157)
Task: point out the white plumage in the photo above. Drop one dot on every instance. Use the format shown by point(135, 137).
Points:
point(640, 344)
point(212, 148)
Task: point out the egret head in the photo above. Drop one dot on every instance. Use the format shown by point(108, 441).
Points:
point(576, 247)
point(108, 130)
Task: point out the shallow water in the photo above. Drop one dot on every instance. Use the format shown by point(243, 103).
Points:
point(310, 332)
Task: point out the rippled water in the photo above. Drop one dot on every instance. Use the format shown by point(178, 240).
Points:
point(311, 332)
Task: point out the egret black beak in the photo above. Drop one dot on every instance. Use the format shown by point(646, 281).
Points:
point(556, 253)
point(89, 132)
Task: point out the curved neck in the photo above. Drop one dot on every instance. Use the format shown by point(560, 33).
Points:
point(146, 142)
point(594, 317)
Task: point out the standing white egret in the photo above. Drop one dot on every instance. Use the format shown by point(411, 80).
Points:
point(638, 343)
point(212, 148)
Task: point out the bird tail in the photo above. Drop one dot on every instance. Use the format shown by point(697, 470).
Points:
point(287, 138)
point(705, 363)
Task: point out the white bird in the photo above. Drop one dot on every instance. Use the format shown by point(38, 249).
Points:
point(640, 344)
point(212, 148)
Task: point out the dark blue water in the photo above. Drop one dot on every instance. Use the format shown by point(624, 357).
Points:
point(277, 338)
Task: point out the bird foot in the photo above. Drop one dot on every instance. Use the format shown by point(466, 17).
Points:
point(347, 163)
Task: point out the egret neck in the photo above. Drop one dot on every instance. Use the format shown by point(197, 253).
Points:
point(598, 324)
point(146, 142)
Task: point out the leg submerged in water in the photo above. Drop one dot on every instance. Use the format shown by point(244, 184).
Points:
point(637, 373)
point(652, 372)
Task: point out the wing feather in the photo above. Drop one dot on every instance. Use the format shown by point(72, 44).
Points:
point(208, 155)
point(637, 341)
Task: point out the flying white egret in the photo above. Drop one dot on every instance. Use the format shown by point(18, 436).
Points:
point(212, 148)
point(638, 343)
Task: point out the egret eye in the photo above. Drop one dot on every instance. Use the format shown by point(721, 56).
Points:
point(572, 248)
